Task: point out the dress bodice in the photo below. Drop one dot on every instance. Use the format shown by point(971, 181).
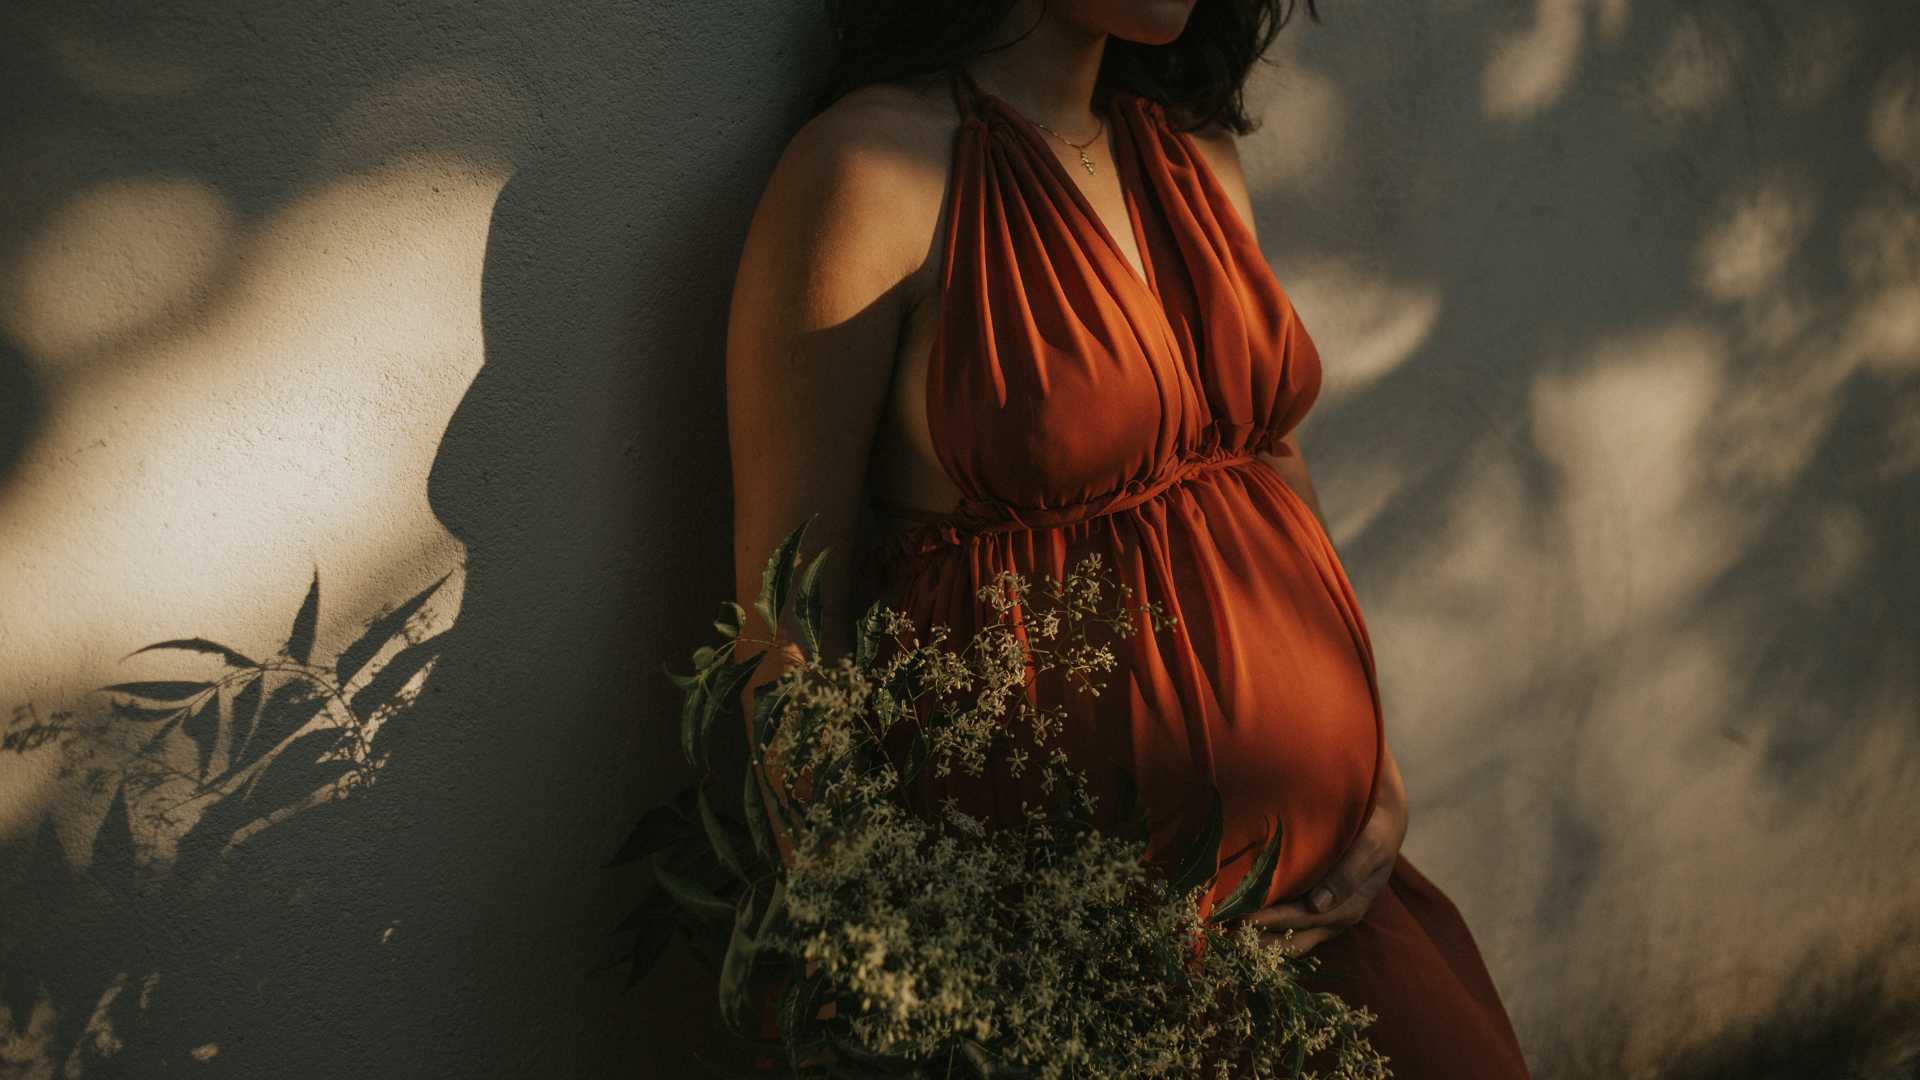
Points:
point(1040, 314)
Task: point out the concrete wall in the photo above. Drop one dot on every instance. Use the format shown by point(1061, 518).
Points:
point(309, 311)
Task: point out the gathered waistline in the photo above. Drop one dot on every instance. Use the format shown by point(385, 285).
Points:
point(974, 518)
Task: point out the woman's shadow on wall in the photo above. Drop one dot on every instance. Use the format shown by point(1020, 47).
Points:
point(585, 471)
point(455, 918)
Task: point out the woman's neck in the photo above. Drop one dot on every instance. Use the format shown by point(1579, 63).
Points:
point(1050, 73)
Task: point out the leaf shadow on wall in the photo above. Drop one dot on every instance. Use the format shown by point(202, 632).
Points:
point(233, 794)
point(449, 920)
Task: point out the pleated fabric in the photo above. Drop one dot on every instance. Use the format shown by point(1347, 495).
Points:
point(1083, 408)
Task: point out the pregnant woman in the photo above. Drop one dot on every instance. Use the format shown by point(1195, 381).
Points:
point(1002, 306)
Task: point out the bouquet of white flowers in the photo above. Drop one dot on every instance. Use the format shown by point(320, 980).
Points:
point(937, 944)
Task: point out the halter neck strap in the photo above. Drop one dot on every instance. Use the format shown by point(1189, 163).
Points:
point(967, 93)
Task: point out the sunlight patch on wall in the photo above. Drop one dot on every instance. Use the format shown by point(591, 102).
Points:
point(1715, 847)
point(1885, 329)
point(1626, 433)
point(1484, 582)
point(1364, 322)
point(1767, 429)
point(123, 256)
point(1367, 488)
point(1675, 764)
point(1882, 259)
point(1696, 69)
point(1685, 780)
point(1662, 706)
point(1893, 117)
point(194, 485)
point(1756, 234)
point(1714, 850)
point(1530, 70)
point(435, 121)
point(1303, 129)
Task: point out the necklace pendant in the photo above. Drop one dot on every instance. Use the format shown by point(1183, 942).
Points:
point(1086, 162)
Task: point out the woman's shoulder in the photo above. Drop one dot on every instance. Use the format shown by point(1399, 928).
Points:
point(867, 175)
point(885, 131)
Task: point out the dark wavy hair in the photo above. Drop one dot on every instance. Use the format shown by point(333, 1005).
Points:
point(1199, 76)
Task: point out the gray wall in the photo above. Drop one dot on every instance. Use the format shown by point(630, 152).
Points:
point(1620, 311)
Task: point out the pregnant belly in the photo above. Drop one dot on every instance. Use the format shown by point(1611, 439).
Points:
point(1263, 688)
point(1272, 676)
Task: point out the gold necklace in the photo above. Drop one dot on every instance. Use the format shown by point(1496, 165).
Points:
point(1085, 161)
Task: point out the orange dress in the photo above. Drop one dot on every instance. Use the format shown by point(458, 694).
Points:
point(1081, 408)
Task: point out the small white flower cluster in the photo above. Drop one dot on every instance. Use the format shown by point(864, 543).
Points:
point(1043, 943)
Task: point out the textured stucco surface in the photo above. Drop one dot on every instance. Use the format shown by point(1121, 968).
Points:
point(1619, 305)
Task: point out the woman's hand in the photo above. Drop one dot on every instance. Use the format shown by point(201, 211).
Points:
point(1342, 898)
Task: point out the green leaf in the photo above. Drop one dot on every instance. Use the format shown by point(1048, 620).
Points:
point(1203, 858)
point(736, 964)
point(754, 805)
point(918, 751)
point(722, 698)
point(767, 703)
point(379, 632)
point(299, 644)
point(199, 645)
point(776, 910)
point(684, 682)
point(733, 619)
point(866, 643)
point(806, 603)
point(743, 948)
point(1251, 893)
point(776, 808)
point(721, 841)
point(690, 711)
point(799, 1008)
point(776, 576)
point(691, 895)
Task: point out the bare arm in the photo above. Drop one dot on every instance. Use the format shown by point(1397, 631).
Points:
point(816, 308)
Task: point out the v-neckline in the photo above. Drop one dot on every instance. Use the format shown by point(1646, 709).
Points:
point(1128, 203)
